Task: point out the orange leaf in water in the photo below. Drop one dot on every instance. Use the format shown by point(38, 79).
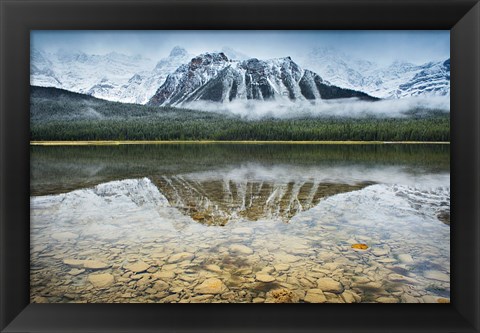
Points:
point(360, 246)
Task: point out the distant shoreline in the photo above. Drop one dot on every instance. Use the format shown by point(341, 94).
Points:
point(116, 143)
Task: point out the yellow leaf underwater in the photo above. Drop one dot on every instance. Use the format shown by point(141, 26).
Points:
point(360, 246)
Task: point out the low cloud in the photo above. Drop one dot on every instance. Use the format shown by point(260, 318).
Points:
point(353, 108)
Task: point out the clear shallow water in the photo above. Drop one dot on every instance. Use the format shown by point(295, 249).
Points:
point(230, 223)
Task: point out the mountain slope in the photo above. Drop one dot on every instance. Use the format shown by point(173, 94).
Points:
point(213, 77)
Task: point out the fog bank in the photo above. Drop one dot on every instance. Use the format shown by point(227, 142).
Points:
point(353, 108)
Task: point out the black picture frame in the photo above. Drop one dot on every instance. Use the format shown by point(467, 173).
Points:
point(18, 17)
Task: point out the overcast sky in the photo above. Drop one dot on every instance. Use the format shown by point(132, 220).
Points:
point(379, 46)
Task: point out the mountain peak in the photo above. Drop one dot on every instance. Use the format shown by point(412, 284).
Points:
point(207, 59)
point(215, 56)
point(178, 51)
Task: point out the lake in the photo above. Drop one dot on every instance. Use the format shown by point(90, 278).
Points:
point(235, 223)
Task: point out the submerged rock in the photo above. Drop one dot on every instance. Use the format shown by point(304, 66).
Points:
point(160, 286)
point(281, 296)
point(101, 280)
point(137, 267)
point(282, 267)
point(315, 296)
point(286, 258)
point(387, 300)
point(73, 262)
point(164, 275)
point(76, 271)
point(437, 275)
point(95, 264)
point(405, 258)
point(88, 264)
point(213, 268)
point(264, 277)
point(239, 248)
point(329, 285)
point(211, 286)
point(351, 297)
point(360, 246)
point(182, 256)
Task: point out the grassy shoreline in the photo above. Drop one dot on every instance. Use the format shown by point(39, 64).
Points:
point(153, 142)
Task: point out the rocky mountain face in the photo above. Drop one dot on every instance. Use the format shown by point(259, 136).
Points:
point(398, 80)
point(216, 202)
point(214, 77)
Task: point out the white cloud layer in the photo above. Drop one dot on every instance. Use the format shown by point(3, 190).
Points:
point(326, 108)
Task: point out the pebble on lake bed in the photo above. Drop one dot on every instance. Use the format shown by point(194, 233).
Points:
point(211, 286)
point(241, 249)
point(315, 296)
point(359, 246)
point(178, 257)
point(329, 285)
point(137, 267)
point(281, 296)
point(101, 280)
point(264, 277)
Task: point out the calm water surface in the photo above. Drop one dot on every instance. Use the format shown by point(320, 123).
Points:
point(240, 223)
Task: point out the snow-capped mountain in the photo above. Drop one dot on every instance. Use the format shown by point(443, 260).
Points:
point(136, 79)
point(114, 76)
point(89, 74)
point(392, 81)
point(214, 77)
